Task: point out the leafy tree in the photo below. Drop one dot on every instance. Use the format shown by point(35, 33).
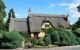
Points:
point(11, 14)
point(2, 14)
point(77, 24)
point(77, 33)
point(10, 40)
point(78, 8)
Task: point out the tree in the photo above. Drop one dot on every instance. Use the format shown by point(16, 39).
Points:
point(2, 14)
point(78, 8)
point(77, 24)
point(11, 14)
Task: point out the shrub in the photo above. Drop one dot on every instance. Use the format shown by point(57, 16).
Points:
point(41, 42)
point(11, 40)
point(47, 39)
point(38, 41)
point(62, 37)
point(76, 32)
point(34, 41)
point(24, 34)
point(55, 38)
point(72, 37)
point(78, 40)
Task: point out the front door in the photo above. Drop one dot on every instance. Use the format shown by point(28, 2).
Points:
point(35, 35)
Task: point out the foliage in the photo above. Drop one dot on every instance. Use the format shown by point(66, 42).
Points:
point(47, 39)
point(38, 41)
point(24, 34)
point(62, 37)
point(2, 15)
point(78, 40)
point(2, 9)
point(10, 40)
point(78, 8)
point(55, 37)
point(76, 25)
point(76, 32)
point(11, 14)
point(71, 38)
point(34, 41)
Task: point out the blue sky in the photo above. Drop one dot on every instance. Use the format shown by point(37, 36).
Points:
point(44, 6)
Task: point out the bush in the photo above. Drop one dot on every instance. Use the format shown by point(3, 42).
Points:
point(62, 37)
point(24, 34)
point(41, 42)
point(38, 41)
point(55, 38)
point(34, 41)
point(76, 32)
point(47, 39)
point(11, 40)
point(78, 40)
point(7, 46)
point(72, 37)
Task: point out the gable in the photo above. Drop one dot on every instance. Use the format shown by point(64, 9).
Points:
point(46, 25)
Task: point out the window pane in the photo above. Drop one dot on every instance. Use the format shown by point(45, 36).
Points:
point(47, 25)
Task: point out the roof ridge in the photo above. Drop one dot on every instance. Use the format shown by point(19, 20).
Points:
point(47, 14)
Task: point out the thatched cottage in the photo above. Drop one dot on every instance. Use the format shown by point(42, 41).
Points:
point(35, 22)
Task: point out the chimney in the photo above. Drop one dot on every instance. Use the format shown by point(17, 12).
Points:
point(29, 11)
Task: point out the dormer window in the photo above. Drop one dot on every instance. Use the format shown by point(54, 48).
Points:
point(47, 25)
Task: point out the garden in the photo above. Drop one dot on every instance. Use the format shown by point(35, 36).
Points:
point(54, 37)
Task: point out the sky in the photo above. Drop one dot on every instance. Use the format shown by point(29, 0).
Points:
point(44, 6)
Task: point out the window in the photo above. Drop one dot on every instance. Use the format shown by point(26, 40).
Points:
point(47, 25)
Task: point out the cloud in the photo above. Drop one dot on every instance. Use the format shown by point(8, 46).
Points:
point(51, 5)
point(71, 9)
point(17, 15)
point(64, 4)
point(60, 4)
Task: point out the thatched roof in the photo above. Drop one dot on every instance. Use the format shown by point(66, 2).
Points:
point(36, 21)
point(57, 21)
point(19, 24)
